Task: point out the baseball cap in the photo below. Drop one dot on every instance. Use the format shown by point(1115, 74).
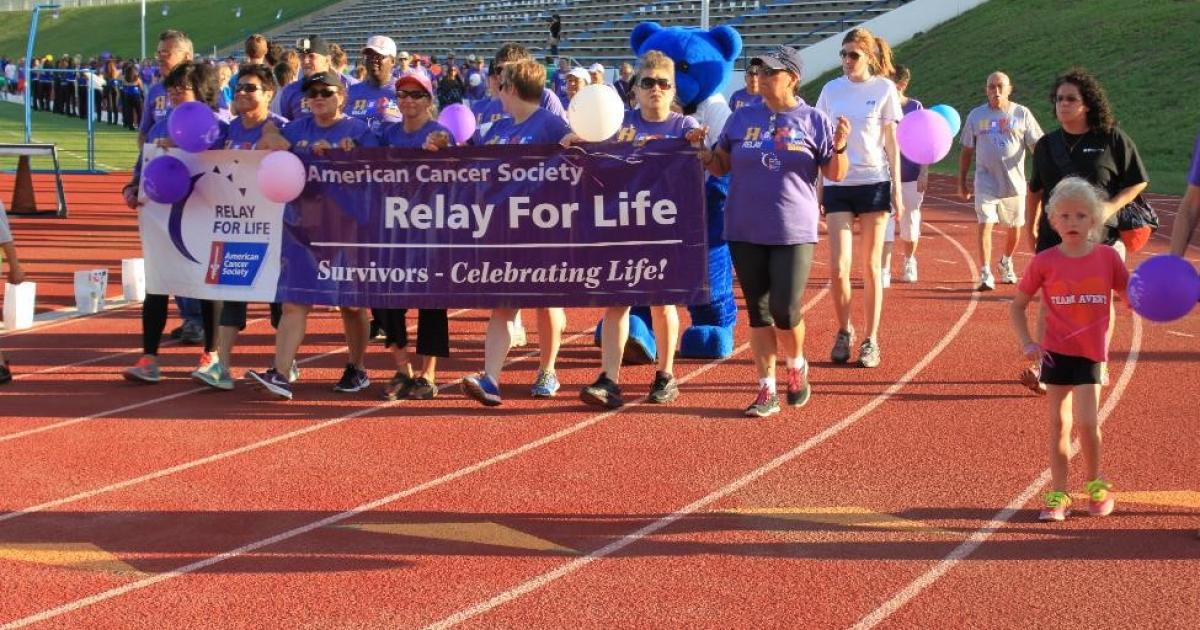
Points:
point(403, 55)
point(782, 58)
point(581, 74)
point(596, 68)
point(415, 77)
point(312, 44)
point(382, 45)
point(328, 79)
point(471, 57)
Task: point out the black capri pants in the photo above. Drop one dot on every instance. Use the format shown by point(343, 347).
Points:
point(433, 330)
point(233, 314)
point(773, 278)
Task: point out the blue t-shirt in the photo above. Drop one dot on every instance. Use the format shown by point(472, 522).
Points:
point(292, 105)
point(160, 130)
point(742, 98)
point(375, 105)
point(304, 132)
point(635, 128)
point(240, 137)
point(476, 92)
point(156, 107)
point(775, 162)
point(909, 171)
point(542, 127)
point(396, 136)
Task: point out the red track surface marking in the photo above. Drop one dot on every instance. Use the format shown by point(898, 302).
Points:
point(981, 535)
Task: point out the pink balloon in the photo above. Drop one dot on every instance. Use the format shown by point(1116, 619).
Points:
point(459, 119)
point(281, 176)
point(924, 136)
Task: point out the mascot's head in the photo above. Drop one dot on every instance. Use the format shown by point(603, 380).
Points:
point(703, 59)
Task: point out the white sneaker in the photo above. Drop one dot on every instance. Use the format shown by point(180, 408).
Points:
point(910, 270)
point(986, 281)
point(516, 332)
point(885, 279)
point(1007, 275)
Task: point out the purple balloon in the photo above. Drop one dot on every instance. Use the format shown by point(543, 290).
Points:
point(924, 136)
point(1164, 288)
point(193, 126)
point(166, 179)
point(459, 120)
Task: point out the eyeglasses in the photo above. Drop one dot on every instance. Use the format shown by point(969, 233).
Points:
point(248, 88)
point(647, 83)
point(326, 93)
point(415, 95)
point(773, 71)
point(179, 88)
point(1069, 98)
point(850, 54)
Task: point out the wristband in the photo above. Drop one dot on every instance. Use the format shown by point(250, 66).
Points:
point(841, 150)
point(1032, 346)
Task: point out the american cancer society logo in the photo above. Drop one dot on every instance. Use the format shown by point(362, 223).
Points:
point(234, 264)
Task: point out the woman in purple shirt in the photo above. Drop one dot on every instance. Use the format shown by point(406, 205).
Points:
point(654, 88)
point(414, 94)
point(187, 82)
point(774, 152)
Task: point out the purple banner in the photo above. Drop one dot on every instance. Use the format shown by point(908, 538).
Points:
point(512, 226)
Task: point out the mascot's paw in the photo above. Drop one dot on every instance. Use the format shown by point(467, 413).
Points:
point(640, 349)
point(707, 342)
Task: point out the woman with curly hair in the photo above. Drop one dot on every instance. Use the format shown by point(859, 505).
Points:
point(1089, 144)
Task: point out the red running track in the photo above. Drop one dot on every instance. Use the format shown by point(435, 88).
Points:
point(902, 496)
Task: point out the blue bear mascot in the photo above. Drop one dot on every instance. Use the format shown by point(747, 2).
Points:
point(703, 65)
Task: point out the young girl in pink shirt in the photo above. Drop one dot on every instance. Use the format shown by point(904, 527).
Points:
point(1077, 279)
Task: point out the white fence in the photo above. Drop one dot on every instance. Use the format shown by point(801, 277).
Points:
point(27, 5)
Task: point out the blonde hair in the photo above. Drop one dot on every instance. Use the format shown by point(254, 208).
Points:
point(1081, 191)
point(879, 52)
point(655, 60)
point(527, 77)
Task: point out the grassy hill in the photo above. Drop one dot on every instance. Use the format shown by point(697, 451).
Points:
point(116, 29)
point(1143, 52)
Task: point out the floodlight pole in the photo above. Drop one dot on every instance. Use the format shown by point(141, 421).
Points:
point(704, 14)
point(33, 22)
point(143, 31)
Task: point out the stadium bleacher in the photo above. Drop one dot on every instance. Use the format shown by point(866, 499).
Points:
point(593, 30)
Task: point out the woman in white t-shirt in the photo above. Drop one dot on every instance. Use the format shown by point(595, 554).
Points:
point(868, 98)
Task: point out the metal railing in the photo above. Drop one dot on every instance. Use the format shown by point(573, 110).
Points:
point(27, 5)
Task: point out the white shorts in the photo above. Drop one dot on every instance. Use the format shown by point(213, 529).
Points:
point(910, 223)
point(1007, 211)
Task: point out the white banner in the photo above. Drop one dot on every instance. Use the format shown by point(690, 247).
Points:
point(222, 241)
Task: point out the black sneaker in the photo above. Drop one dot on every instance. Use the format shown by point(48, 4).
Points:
point(191, 334)
point(176, 332)
point(841, 346)
point(272, 382)
point(798, 389)
point(377, 333)
point(602, 393)
point(353, 380)
point(423, 389)
point(5, 374)
point(397, 389)
point(765, 404)
point(664, 389)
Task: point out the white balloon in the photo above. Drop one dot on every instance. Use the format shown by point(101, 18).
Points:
point(596, 113)
point(475, 80)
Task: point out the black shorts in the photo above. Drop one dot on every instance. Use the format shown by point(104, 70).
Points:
point(233, 314)
point(858, 199)
point(1065, 369)
point(773, 278)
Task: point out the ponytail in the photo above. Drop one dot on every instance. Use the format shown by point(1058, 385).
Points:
point(883, 65)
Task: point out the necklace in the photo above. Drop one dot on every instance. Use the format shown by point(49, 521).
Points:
point(1071, 145)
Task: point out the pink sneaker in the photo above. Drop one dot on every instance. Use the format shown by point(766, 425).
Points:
point(1100, 502)
point(1058, 507)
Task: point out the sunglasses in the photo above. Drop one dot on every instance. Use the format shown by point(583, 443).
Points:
point(415, 95)
point(1065, 99)
point(647, 83)
point(248, 88)
point(773, 71)
point(850, 54)
point(325, 93)
point(753, 73)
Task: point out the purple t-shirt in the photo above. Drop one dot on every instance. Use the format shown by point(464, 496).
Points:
point(156, 107)
point(487, 111)
point(742, 98)
point(304, 132)
point(773, 176)
point(160, 130)
point(396, 136)
point(635, 128)
point(375, 105)
point(242, 138)
point(542, 127)
point(1194, 173)
point(909, 171)
point(291, 100)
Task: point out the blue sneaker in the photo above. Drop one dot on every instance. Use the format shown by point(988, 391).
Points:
point(546, 385)
point(482, 388)
point(271, 381)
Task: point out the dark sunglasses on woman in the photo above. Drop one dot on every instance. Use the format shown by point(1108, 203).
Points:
point(647, 83)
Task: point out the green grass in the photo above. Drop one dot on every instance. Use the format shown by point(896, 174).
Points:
point(116, 29)
point(1144, 54)
point(116, 148)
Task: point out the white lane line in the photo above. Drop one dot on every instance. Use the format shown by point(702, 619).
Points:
point(943, 260)
point(348, 514)
point(138, 405)
point(570, 567)
point(1179, 333)
point(967, 547)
